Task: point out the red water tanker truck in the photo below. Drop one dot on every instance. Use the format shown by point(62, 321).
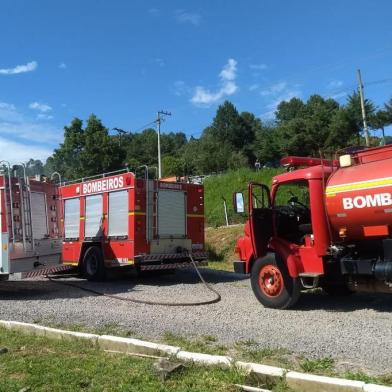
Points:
point(323, 224)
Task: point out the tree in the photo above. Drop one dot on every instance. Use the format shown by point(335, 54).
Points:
point(353, 107)
point(288, 110)
point(303, 128)
point(266, 147)
point(173, 166)
point(86, 152)
point(342, 130)
point(229, 127)
point(380, 120)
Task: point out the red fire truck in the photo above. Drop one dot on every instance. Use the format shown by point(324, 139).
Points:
point(30, 235)
point(324, 223)
point(116, 219)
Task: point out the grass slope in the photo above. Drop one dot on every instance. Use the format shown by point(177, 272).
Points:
point(224, 185)
point(220, 244)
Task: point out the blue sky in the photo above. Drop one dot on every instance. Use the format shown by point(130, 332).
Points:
point(124, 60)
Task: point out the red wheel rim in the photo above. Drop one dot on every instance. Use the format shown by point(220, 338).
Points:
point(271, 281)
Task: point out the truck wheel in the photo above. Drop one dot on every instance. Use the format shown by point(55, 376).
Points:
point(93, 265)
point(272, 284)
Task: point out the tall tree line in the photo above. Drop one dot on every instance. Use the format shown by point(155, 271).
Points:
point(232, 140)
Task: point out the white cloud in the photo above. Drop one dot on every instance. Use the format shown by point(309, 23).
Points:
point(19, 69)
point(334, 84)
point(62, 65)
point(8, 112)
point(16, 126)
point(253, 87)
point(188, 17)
point(15, 152)
point(229, 70)
point(180, 88)
point(42, 107)
point(43, 116)
point(280, 92)
point(205, 97)
point(258, 67)
point(274, 89)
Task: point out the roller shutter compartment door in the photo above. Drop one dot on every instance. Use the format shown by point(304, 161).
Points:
point(118, 214)
point(93, 219)
point(39, 216)
point(71, 218)
point(171, 214)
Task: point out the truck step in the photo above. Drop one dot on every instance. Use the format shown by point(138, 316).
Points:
point(309, 280)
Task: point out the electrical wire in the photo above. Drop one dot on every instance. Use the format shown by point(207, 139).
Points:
point(217, 296)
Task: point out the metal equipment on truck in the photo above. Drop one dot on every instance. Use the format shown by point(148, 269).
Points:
point(324, 224)
point(116, 220)
point(30, 234)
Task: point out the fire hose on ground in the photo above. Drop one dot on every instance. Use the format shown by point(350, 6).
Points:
point(217, 296)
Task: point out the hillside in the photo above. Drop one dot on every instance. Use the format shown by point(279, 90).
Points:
point(216, 187)
point(220, 244)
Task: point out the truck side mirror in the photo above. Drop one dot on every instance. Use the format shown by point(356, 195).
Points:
point(238, 201)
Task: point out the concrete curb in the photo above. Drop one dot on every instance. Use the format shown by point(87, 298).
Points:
point(309, 382)
point(205, 359)
point(129, 345)
point(264, 373)
point(301, 382)
point(53, 333)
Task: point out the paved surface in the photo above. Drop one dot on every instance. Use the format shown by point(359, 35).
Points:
point(357, 329)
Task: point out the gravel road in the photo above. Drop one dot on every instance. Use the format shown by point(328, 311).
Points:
point(357, 329)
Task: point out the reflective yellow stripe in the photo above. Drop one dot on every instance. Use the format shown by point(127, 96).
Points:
point(378, 183)
point(70, 263)
point(195, 216)
point(132, 213)
point(82, 218)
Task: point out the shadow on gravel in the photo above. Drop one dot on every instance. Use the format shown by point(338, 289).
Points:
point(318, 300)
point(117, 283)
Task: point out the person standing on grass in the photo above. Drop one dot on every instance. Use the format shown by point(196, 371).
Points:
point(257, 165)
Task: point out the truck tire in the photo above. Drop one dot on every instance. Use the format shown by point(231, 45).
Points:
point(93, 267)
point(272, 284)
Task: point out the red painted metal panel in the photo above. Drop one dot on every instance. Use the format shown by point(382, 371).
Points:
point(376, 231)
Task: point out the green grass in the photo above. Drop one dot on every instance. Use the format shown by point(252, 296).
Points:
point(51, 365)
point(216, 187)
point(202, 344)
point(48, 365)
point(220, 245)
point(323, 365)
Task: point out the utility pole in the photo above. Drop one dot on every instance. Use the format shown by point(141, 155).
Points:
point(120, 133)
point(158, 121)
point(365, 126)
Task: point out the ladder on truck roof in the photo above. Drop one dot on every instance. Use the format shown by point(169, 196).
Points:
point(23, 184)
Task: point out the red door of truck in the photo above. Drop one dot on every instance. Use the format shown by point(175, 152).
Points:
point(260, 217)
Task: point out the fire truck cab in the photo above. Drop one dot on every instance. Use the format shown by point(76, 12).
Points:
point(30, 236)
point(323, 224)
point(117, 220)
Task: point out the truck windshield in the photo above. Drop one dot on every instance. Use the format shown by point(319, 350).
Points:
point(297, 191)
point(293, 220)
